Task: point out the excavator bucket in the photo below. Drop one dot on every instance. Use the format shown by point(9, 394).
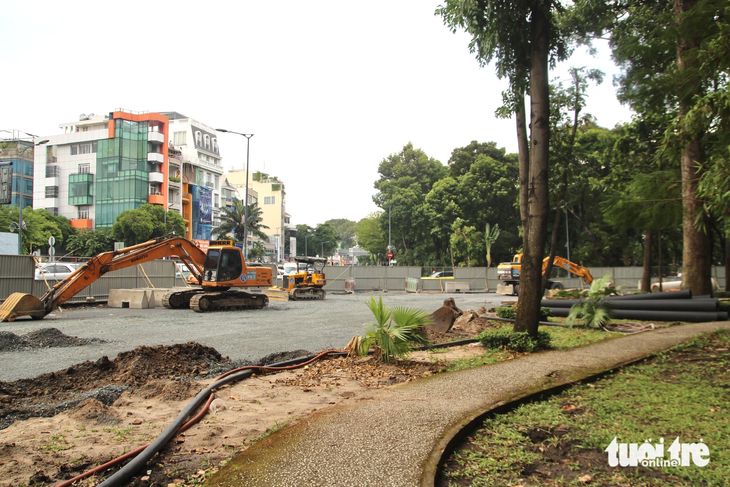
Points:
point(21, 304)
point(277, 294)
point(444, 317)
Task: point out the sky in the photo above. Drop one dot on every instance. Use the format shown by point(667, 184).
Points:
point(328, 88)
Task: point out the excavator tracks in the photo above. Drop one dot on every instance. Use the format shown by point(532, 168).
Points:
point(179, 299)
point(228, 301)
point(304, 293)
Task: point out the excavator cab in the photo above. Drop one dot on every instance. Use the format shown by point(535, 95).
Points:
point(224, 267)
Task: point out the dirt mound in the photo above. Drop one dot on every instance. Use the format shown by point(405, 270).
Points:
point(469, 325)
point(43, 338)
point(95, 412)
point(49, 394)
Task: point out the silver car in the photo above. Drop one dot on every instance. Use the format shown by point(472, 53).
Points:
point(54, 271)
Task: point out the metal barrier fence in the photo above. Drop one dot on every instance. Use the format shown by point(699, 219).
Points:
point(17, 275)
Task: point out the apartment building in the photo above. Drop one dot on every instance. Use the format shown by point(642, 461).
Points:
point(16, 172)
point(103, 165)
point(272, 201)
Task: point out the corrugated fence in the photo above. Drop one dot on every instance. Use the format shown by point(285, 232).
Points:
point(17, 275)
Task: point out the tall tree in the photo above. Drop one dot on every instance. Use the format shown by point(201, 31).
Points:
point(520, 36)
point(371, 237)
point(146, 222)
point(233, 218)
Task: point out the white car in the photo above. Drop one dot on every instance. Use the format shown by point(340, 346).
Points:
point(54, 271)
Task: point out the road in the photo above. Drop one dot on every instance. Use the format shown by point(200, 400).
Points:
point(240, 335)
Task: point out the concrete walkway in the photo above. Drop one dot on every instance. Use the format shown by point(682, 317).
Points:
point(397, 439)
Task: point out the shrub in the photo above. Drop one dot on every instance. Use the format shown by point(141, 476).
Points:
point(509, 312)
point(515, 341)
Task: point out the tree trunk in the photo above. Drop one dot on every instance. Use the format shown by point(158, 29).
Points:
point(553, 249)
point(697, 252)
point(727, 263)
point(535, 236)
point(646, 274)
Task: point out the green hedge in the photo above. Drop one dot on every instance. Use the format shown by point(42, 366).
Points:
point(509, 312)
point(516, 341)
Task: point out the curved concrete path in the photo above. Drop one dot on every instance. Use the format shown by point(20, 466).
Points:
point(397, 438)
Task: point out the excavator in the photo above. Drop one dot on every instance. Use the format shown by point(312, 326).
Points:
point(220, 273)
point(303, 284)
point(509, 274)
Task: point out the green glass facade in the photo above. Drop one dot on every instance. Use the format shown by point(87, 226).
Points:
point(122, 172)
point(81, 189)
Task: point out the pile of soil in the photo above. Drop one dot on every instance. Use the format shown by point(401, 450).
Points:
point(115, 394)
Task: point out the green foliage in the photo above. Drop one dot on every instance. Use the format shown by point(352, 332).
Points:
point(40, 225)
point(370, 236)
point(233, 221)
point(146, 222)
point(346, 230)
point(395, 332)
point(256, 251)
point(594, 311)
point(504, 338)
point(90, 243)
point(510, 312)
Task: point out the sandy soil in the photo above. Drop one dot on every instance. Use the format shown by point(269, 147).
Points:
point(59, 425)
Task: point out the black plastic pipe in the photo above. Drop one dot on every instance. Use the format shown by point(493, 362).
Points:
point(659, 305)
point(656, 315)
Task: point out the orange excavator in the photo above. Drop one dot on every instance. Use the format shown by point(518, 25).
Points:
point(509, 274)
point(220, 273)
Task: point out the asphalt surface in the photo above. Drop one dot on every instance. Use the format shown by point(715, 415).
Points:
point(397, 438)
point(240, 335)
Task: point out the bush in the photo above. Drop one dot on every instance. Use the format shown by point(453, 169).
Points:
point(515, 341)
point(509, 312)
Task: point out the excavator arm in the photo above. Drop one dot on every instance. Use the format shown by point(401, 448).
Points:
point(571, 267)
point(20, 304)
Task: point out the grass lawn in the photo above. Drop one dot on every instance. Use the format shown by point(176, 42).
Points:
point(561, 439)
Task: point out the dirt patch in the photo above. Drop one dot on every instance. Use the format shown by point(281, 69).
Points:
point(43, 338)
point(59, 425)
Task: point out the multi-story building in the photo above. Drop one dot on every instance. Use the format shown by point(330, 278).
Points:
point(16, 157)
point(103, 165)
point(197, 163)
point(272, 201)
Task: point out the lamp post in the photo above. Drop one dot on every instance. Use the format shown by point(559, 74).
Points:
point(326, 241)
point(306, 253)
point(245, 220)
point(20, 192)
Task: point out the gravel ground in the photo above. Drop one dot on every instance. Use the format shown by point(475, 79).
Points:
point(240, 335)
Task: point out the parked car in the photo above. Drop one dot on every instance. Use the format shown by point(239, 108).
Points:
point(54, 271)
point(441, 275)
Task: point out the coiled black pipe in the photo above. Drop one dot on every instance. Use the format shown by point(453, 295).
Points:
point(646, 304)
point(658, 315)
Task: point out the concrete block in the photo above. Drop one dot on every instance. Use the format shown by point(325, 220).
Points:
point(128, 298)
point(456, 287)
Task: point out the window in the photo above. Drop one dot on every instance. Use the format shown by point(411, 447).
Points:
point(269, 200)
point(83, 212)
point(217, 181)
point(52, 211)
point(51, 191)
point(178, 138)
point(83, 169)
point(52, 171)
point(74, 150)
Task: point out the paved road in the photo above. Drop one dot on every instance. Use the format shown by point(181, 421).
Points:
point(240, 335)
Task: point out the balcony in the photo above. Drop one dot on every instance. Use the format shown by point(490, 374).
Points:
point(156, 177)
point(156, 137)
point(156, 199)
point(155, 157)
point(82, 223)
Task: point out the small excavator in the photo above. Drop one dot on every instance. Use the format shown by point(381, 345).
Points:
point(220, 273)
point(509, 274)
point(303, 284)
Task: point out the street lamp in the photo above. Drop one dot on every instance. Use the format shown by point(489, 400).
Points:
point(326, 241)
point(245, 221)
point(20, 193)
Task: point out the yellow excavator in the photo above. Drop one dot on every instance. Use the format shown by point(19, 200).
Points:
point(220, 273)
point(508, 274)
point(306, 283)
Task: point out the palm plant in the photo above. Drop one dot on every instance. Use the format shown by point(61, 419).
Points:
point(233, 221)
point(593, 311)
point(396, 332)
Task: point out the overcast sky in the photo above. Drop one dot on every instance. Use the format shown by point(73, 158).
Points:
point(328, 88)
